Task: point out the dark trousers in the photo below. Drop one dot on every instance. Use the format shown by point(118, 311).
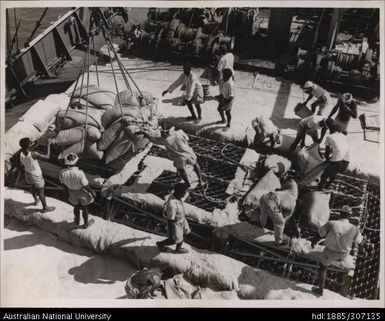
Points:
point(331, 171)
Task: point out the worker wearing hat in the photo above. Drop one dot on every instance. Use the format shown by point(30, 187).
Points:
point(309, 126)
point(340, 237)
point(76, 183)
point(322, 97)
point(336, 154)
point(226, 61)
point(33, 174)
point(347, 109)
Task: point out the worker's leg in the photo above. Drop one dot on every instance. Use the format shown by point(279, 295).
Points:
point(228, 115)
point(322, 279)
point(197, 170)
point(263, 208)
point(77, 214)
point(279, 224)
point(169, 240)
point(199, 110)
point(179, 248)
point(297, 140)
point(222, 114)
point(334, 169)
point(40, 192)
point(191, 109)
point(34, 194)
point(314, 135)
point(183, 174)
point(85, 213)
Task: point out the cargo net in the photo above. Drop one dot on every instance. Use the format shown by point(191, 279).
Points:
point(365, 283)
point(218, 162)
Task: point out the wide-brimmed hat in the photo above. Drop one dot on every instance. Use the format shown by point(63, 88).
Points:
point(71, 159)
point(346, 209)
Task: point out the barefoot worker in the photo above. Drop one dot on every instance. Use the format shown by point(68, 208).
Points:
point(177, 224)
point(33, 174)
point(81, 195)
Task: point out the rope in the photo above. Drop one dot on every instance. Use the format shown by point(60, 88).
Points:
point(95, 60)
point(115, 82)
point(76, 84)
point(246, 167)
point(359, 189)
point(87, 91)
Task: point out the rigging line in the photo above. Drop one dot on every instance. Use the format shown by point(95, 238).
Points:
point(87, 90)
point(115, 82)
point(76, 84)
point(95, 60)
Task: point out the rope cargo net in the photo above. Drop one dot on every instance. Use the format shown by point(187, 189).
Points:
point(218, 171)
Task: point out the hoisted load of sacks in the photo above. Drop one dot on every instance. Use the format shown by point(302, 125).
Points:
point(108, 128)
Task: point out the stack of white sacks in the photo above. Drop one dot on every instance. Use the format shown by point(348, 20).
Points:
point(106, 128)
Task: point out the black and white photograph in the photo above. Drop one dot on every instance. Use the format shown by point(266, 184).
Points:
point(193, 153)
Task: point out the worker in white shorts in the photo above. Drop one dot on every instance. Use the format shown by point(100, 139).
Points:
point(340, 237)
point(33, 174)
point(323, 99)
point(81, 195)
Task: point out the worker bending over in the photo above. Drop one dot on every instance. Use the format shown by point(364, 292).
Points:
point(193, 88)
point(279, 207)
point(347, 109)
point(323, 98)
point(178, 148)
point(309, 126)
point(177, 224)
point(81, 195)
point(336, 154)
point(266, 133)
point(32, 171)
point(340, 237)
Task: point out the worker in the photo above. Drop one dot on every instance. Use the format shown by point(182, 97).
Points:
point(322, 101)
point(279, 206)
point(267, 135)
point(226, 61)
point(178, 148)
point(340, 237)
point(144, 283)
point(75, 182)
point(347, 109)
point(309, 126)
point(194, 91)
point(32, 171)
point(226, 98)
point(177, 225)
point(336, 154)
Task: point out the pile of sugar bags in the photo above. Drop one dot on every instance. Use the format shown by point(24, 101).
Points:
point(103, 125)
